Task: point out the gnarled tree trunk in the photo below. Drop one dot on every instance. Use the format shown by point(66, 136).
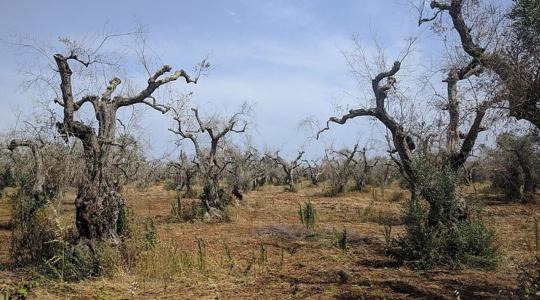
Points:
point(98, 203)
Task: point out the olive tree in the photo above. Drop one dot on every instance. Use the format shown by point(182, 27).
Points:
point(512, 52)
point(207, 138)
point(99, 205)
point(288, 167)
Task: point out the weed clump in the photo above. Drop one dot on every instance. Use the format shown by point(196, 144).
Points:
point(181, 212)
point(341, 239)
point(308, 215)
point(443, 231)
point(465, 242)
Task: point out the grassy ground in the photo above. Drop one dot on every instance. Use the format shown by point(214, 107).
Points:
point(265, 252)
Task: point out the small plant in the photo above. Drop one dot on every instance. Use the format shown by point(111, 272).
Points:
point(201, 253)
point(308, 215)
point(202, 210)
point(170, 185)
point(150, 233)
point(228, 254)
point(19, 292)
point(176, 207)
point(387, 236)
point(341, 240)
point(263, 255)
point(282, 258)
point(249, 266)
point(229, 213)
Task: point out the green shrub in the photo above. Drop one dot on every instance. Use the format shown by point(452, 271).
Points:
point(443, 231)
point(108, 259)
point(308, 215)
point(508, 181)
point(150, 233)
point(170, 184)
point(35, 232)
point(467, 242)
point(341, 239)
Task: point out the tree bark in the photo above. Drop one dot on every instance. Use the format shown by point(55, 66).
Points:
point(98, 203)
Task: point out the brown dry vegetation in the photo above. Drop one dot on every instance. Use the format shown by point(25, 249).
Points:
point(273, 257)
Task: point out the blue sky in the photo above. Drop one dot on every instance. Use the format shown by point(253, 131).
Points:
point(282, 56)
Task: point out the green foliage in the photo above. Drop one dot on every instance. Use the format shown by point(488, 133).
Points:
point(508, 181)
point(466, 242)
point(19, 292)
point(514, 164)
point(341, 239)
point(229, 213)
point(170, 184)
point(35, 230)
point(442, 230)
point(108, 259)
point(83, 260)
point(438, 185)
point(308, 215)
point(150, 233)
point(122, 224)
point(525, 16)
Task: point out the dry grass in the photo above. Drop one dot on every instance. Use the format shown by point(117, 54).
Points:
point(265, 253)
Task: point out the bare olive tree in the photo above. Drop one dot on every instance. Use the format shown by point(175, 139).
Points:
point(288, 167)
point(514, 166)
point(362, 172)
point(98, 203)
point(340, 168)
point(514, 60)
point(37, 191)
point(402, 141)
point(207, 157)
point(262, 171)
point(185, 174)
point(314, 170)
point(241, 171)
